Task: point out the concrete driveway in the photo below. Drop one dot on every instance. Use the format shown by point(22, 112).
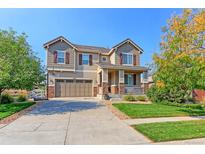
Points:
point(70, 122)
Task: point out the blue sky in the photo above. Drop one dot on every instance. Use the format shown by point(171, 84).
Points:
point(98, 27)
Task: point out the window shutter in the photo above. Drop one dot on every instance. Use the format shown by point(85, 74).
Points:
point(120, 58)
point(55, 57)
point(67, 57)
point(90, 59)
point(80, 59)
point(134, 59)
point(134, 79)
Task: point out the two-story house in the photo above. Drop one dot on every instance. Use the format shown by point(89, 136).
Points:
point(83, 71)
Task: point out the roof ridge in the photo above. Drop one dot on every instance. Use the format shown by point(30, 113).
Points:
point(90, 46)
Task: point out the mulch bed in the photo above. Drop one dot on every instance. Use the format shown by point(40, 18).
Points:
point(16, 115)
point(115, 111)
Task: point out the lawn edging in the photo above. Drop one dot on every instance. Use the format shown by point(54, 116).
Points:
point(156, 110)
point(16, 115)
point(115, 111)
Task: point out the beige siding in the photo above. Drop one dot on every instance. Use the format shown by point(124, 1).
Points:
point(107, 59)
point(75, 75)
point(112, 58)
point(126, 48)
point(87, 67)
point(60, 46)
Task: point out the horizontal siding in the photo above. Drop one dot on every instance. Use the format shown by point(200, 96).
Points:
point(60, 46)
point(87, 67)
point(127, 48)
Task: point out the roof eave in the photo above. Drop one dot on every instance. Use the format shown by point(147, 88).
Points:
point(61, 38)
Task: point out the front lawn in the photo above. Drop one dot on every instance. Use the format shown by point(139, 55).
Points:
point(169, 131)
point(156, 110)
point(9, 109)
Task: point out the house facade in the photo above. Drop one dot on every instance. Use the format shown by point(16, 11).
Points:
point(84, 71)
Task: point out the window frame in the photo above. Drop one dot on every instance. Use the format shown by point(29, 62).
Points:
point(128, 54)
point(104, 59)
point(60, 51)
point(85, 54)
point(130, 82)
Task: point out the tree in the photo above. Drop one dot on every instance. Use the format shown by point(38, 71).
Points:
point(180, 67)
point(20, 68)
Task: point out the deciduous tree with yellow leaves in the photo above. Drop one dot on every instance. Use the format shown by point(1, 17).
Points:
point(180, 67)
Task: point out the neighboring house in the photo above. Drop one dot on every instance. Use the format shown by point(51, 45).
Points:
point(146, 83)
point(83, 71)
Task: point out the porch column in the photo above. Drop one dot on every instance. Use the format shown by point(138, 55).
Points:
point(104, 81)
point(121, 85)
point(114, 86)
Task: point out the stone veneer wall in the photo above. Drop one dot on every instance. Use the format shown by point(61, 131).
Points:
point(121, 88)
point(104, 88)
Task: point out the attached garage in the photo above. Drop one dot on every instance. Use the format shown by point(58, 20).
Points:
point(73, 88)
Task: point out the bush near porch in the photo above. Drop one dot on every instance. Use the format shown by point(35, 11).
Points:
point(134, 98)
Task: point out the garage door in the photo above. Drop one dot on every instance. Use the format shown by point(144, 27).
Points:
point(73, 88)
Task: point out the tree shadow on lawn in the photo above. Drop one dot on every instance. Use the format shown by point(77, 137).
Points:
point(60, 107)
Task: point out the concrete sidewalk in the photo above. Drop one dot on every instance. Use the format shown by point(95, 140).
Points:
point(198, 141)
point(161, 119)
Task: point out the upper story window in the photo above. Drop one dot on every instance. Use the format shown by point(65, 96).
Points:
point(85, 59)
point(104, 59)
point(127, 58)
point(61, 57)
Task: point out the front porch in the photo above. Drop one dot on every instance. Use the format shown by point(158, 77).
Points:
point(116, 80)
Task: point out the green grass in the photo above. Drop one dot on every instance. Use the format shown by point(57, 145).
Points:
point(156, 110)
point(169, 131)
point(9, 109)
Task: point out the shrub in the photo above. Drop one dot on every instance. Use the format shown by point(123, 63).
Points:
point(6, 98)
point(156, 94)
point(21, 98)
point(129, 98)
point(173, 95)
point(193, 106)
point(140, 98)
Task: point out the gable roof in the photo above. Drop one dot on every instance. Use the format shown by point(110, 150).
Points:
point(102, 50)
point(60, 38)
point(128, 41)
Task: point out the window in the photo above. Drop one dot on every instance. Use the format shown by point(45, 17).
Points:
point(127, 58)
point(61, 57)
point(129, 79)
point(104, 59)
point(85, 59)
